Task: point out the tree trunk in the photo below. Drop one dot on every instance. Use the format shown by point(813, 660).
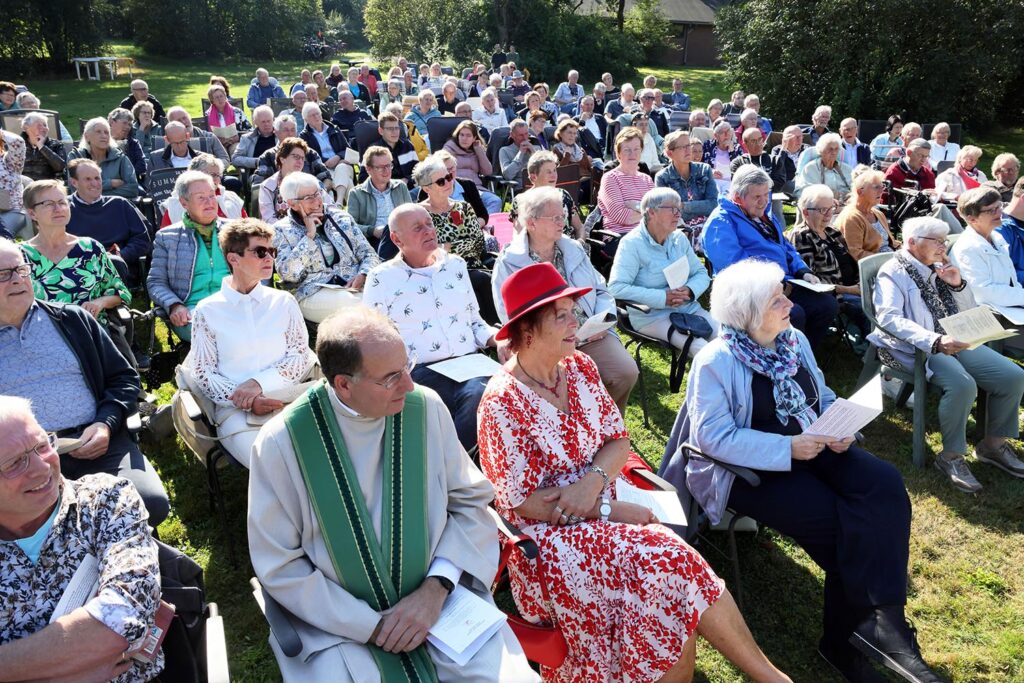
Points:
point(620, 15)
point(501, 17)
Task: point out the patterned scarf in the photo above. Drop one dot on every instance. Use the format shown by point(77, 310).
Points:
point(780, 366)
point(938, 297)
point(204, 231)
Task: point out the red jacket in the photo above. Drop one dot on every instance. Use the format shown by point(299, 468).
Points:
point(899, 173)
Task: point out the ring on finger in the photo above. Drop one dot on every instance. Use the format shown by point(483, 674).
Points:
point(563, 517)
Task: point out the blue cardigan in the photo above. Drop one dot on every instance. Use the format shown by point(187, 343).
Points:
point(715, 419)
point(730, 236)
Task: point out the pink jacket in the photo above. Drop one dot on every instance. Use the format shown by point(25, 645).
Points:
point(471, 164)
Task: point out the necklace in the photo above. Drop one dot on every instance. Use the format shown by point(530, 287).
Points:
point(552, 389)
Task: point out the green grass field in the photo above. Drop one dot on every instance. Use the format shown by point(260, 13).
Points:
point(967, 552)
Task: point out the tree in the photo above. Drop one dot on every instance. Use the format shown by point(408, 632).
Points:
point(646, 24)
point(427, 30)
point(871, 64)
point(49, 31)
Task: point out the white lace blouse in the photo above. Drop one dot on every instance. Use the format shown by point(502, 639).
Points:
point(236, 337)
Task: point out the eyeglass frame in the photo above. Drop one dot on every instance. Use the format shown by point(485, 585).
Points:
point(52, 204)
point(391, 380)
point(24, 270)
point(17, 467)
point(267, 251)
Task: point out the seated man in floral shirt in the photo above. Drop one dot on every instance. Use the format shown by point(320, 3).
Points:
point(49, 527)
point(427, 293)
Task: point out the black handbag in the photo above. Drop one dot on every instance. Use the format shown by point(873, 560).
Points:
point(690, 324)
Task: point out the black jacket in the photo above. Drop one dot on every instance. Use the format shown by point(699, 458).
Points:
point(158, 109)
point(337, 139)
point(113, 381)
point(768, 164)
point(46, 163)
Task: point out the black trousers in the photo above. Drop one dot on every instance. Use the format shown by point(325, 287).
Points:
point(850, 512)
point(462, 399)
point(812, 313)
point(124, 459)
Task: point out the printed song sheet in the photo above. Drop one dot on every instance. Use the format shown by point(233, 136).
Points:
point(677, 273)
point(595, 324)
point(975, 326)
point(462, 368)
point(846, 417)
point(664, 504)
point(467, 621)
point(819, 287)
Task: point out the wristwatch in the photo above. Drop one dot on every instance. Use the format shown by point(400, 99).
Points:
point(446, 582)
point(606, 507)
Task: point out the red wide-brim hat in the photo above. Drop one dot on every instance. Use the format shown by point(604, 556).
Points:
point(530, 288)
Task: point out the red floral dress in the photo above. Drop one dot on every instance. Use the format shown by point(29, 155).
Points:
point(627, 597)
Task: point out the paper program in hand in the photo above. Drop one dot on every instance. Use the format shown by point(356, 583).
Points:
point(814, 287)
point(594, 325)
point(677, 272)
point(466, 622)
point(664, 504)
point(975, 326)
point(846, 417)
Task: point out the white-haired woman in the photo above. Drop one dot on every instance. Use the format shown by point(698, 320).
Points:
point(827, 169)
point(942, 149)
point(751, 395)
point(914, 291)
point(229, 204)
point(45, 158)
point(320, 250)
point(115, 168)
point(864, 227)
point(638, 275)
point(425, 110)
point(965, 174)
point(541, 212)
point(719, 152)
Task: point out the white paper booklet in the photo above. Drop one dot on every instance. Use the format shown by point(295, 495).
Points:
point(595, 324)
point(467, 621)
point(664, 504)
point(975, 326)
point(819, 287)
point(1015, 314)
point(846, 417)
point(84, 585)
point(462, 368)
point(677, 273)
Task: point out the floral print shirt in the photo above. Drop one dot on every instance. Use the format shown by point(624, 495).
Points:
point(12, 161)
point(458, 230)
point(86, 273)
point(101, 515)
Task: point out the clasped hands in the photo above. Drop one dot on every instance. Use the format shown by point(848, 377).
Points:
point(404, 627)
point(580, 499)
point(249, 397)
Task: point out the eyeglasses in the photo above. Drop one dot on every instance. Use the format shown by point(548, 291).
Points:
point(263, 252)
point(441, 182)
point(939, 241)
point(824, 210)
point(7, 273)
point(297, 157)
point(380, 167)
point(16, 467)
point(308, 197)
point(993, 210)
point(676, 211)
point(51, 204)
point(560, 219)
point(394, 378)
point(647, 98)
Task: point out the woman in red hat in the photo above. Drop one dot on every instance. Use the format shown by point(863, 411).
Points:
point(627, 593)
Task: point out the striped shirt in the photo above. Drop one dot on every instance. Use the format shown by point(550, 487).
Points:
point(617, 190)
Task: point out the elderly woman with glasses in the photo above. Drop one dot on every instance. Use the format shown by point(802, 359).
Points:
point(824, 250)
point(827, 169)
point(627, 594)
point(542, 169)
point(321, 252)
point(248, 340)
point(541, 212)
point(914, 292)
point(458, 229)
point(638, 275)
point(965, 174)
point(719, 153)
point(864, 226)
point(751, 396)
point(692, 181)
point(115, 167)
point(290, 158)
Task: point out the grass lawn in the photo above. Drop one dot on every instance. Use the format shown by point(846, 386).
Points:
point(967, 587)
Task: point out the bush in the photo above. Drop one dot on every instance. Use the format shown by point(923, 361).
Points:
point(949, 61)
point(647, 27)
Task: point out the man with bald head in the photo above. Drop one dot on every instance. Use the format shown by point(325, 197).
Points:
point(364, 609)
point(48, 527)
point(348, 114)
point(176, 152)
point(257, 141)
point(427, 292)
point(207, 141)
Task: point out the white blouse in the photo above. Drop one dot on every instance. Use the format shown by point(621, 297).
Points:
point(236, 337)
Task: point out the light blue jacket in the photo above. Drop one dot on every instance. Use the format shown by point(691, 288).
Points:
point(637, 273)
point(716, 420)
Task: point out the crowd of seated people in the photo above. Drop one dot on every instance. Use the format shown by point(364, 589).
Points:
point(379, 240)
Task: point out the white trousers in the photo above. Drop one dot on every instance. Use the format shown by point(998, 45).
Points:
point(660, 329)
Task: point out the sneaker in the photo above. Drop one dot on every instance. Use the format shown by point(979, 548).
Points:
point(886, 637)
point(1003, 457)
point(955, 468)
point(849, 662)
point(891, 387)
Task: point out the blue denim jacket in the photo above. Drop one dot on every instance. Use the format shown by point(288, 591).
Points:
point(1012, 231)
point(699, 194)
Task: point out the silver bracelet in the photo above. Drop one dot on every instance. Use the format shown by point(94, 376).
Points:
point(599, 470)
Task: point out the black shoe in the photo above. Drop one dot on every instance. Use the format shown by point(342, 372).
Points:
point(888, 638)
point(849, 663)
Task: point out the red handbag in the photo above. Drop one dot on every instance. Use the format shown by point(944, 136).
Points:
point(542, 643)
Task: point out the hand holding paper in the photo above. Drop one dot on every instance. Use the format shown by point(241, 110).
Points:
point(846, 417)
point(595, 325)
point(814, 287)
point(975, 326)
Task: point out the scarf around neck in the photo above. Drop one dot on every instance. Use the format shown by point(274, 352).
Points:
point(204, 231)
point(938, 297)
point(780, 366)
point(213, 116)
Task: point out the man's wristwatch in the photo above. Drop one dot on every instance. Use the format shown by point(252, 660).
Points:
point(446, 583)
point(606, 507)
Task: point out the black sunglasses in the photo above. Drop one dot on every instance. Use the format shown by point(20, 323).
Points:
point(441, 182)
point(263, 252)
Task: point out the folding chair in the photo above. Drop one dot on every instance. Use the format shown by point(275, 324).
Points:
point(279, 104)
point(679, 120)
point(11, 121)
point(499, 184)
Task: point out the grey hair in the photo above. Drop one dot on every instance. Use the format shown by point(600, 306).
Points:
point(26, 100)
point(600, 86)
point(538, 159)
point(969, 151)
point(516, 124)
point(741, 292)
point(924, 226)
point(746, 178)
point(750, 98)
point(139, 83)
point(723, 125)
point(201, 162)
point(1004, 159)
point(423, 171)
point(91, 125)
point(308, 108)
point(826, 140)
point(184, 182)
point(940, 126)
point(532, 202)
point(814, 193)
point(695, 114)
point(343, 336)
point(32, 119)
point(282, 119)
point(657, 198)
point(627, 86)
point(261, 71)
point(120, 114)
point(10, 247)
point(748, 113)
point(293, 184)
point(822, 109)
point(573, 71)
point(262, 109)
point(12, 407)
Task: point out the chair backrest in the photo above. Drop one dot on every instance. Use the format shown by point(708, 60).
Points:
point(679, 120)
point(506, 98)
point(869, 267)
point(568, 179)
point(233, 101)
point(160, 186)
point(440, 128)
point(869, 129)
point(447, 71)
point(944, 166)
point(200, 122)
point(774, 139)
point(549, 133)
point(81, 127)
point(279, 104)
point(366, 134)
point(733, 119)
point(11, 121)
point(499, 138)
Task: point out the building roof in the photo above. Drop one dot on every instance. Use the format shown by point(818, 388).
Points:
point(675, 11)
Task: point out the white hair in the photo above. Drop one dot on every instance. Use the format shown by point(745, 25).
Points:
point(308, 108)
point(657, 198)
point(32, 119)
point(293, 183)
point(282, 119)
point(532, 202)
point(182, 186)
point(750, 98)
point(13, 407)
point(747, 177)
point(139, 83)
point(741, 292)
point(423, 171)
point(748, 113)
point(262, 109)
point(924, 226)
point(261, 72)
point(826, 140)
point(573, 72)
point(10, 247)
point(823, 109)
point(26, 100)
point(814, 193)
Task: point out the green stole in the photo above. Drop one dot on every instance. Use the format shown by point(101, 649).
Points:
point(380, 572)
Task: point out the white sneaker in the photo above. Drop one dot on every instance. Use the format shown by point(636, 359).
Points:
point(891, 387)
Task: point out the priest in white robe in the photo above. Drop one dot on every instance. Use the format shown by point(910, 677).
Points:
point(359, 427)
